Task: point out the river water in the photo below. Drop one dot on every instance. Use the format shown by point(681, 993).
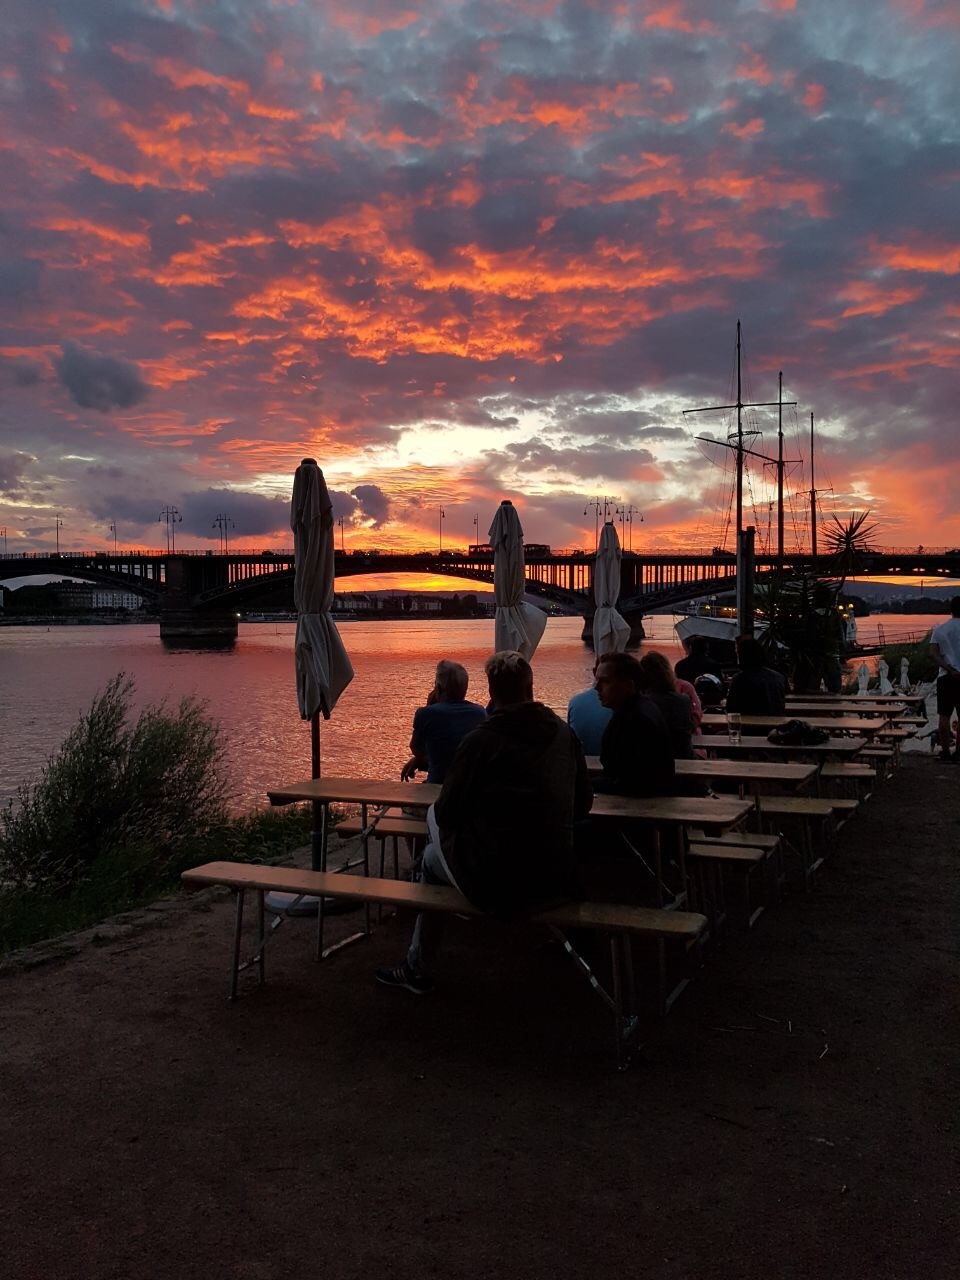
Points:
point(49, 675)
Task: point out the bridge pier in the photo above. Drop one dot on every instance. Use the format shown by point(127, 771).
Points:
point(633, 617)
point(184, 627)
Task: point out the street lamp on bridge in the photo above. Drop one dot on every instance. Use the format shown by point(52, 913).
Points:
point(3, 535)
point(113, 529)
point(340, 523)
point(626, 518)
point(172, 517)
point(443, 516)
point(58, 525)
point(223, 523)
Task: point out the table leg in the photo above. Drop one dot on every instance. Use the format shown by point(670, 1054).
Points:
point(237, 930)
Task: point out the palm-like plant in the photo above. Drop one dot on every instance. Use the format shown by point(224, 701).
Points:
point(848, 542)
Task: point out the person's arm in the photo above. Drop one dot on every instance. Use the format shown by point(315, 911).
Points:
point(461, 776)
point(418, 749)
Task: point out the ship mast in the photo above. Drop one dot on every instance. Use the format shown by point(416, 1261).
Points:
point(740, 448)
point(813, 499)
point(780, 471)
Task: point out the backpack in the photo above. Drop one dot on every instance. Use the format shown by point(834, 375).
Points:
point(797, 733)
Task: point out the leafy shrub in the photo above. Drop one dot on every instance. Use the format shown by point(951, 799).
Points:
point(138, 798)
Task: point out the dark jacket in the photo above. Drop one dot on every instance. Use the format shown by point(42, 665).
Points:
point(636, 752)
point(758, 691)
point(515, 787)
point(677, 712)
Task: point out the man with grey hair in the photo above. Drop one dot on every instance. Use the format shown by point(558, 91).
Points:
point(502, 828)
point(442, 723)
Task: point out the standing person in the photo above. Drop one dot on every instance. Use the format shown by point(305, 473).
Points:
point(502, 828)
point(756, 689)
point(676, 706)
point(636, 752)
point(588, 717)
point(439, 727)
point(831, 631)
point(945, 647)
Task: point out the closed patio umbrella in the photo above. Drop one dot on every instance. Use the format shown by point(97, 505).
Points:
point(517, 625)
point(323, 668)
point(610, 631)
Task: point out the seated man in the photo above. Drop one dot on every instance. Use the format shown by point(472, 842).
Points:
point(588, 717)
point(501, 830)
point(636, 752)
point(698, 662)
point(662, 687)
point(756, 689)
point(439, 726)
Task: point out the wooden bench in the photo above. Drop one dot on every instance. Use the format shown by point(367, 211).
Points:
point(857, 776)
point(619, 924)
point(739, 860)
point(393, 825)
point(804, 811)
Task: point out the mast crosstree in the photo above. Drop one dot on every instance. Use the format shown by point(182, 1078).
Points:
point(741, 450)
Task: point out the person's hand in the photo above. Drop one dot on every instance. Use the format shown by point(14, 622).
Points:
point(409, 769)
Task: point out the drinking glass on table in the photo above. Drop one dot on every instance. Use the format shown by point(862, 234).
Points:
point(734, 726)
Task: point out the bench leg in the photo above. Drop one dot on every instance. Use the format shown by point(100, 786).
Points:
point(261, 940)
point(237, 929)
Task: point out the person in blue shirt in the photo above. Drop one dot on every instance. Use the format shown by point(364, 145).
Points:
point(439, 726)
point(588, 717)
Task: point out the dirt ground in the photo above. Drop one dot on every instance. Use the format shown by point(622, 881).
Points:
point(795, 1116)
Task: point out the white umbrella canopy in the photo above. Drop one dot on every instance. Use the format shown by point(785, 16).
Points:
point(610, 631)
point(517, 625)
point(323, 668)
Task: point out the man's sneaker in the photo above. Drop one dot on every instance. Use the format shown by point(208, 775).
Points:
point(403, 976)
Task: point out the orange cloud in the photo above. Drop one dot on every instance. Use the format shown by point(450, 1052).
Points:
point(814, 96)
point(939, 259)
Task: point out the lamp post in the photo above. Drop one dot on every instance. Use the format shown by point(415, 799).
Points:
point(58, 525)
point(443, 516)
point(597, 506)
point(113, 529)
point(626, 518)
point(340, 523)
point(172, 517)
point(3, 535)
point(476, 530)
point(223, 523)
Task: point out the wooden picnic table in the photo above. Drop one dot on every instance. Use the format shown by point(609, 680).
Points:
point(722, 812)
point(792, 774)
point(855, 699)
point(755, 744)
point(717, 722)
point(850, 707)
point(713, 813)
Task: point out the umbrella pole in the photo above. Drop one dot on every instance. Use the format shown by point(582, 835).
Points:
point(317, 843)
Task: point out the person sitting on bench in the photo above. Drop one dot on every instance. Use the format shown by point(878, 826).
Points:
point(636, 752)
point(502, 829)
point(439, 727)
point(756, 689)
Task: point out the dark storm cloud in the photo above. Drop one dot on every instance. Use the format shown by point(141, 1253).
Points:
point(100, 382)
point(374, 504)
point(19, 278)
point(13, 467)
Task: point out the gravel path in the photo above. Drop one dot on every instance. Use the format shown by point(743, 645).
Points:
point(794, 1117)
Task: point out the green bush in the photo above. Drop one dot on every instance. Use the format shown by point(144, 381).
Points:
point(137, 798)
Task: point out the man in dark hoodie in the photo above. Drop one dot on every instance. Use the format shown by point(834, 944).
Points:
point(636, 751)
point(502, 828)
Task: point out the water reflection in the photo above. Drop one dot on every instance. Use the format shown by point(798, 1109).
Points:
point(48, 676)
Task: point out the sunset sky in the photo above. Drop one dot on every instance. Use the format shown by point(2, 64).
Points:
point(466, 251)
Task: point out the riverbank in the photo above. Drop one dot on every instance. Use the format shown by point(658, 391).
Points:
point(792, 1117)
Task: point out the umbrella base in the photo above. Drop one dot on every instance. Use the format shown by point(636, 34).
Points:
point(281, 904)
